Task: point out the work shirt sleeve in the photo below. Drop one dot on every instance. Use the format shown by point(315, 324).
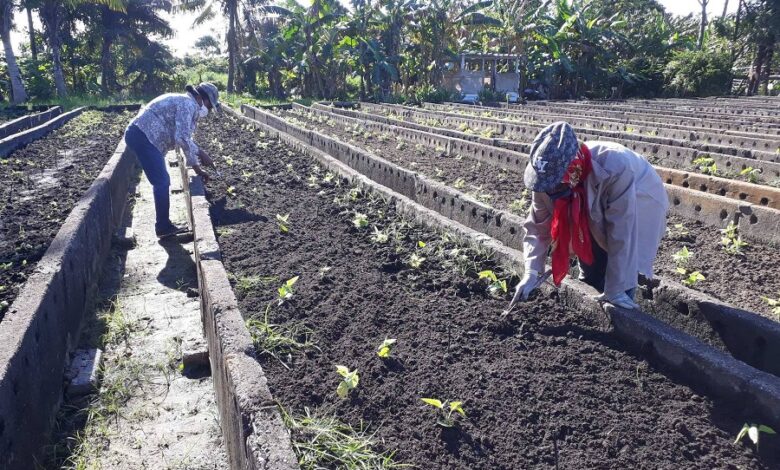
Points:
point(185, 128)
point(537, 232)
point(621, 231)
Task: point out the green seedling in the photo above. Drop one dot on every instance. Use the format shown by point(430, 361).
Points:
point(751, 174)
point(520, 206)
point(731, 241)
point(313, 181)
point(286, 290)
point(706, 165)
point(677, 231)
point(682, 257)
point(386, 348)
point(360, 221)
point(691, 278)
point(246, 175)
point(497, 287)
point(415, 261)
point(459, 183)
point(487, 133)
point(773, 303)
point(350, 381)
point(753, 432)
point(420, 244)
point(379, 236)
point(354, 194)
point(420, 148)
point(6, 266)
point(328, 178)
point(400, 146)
point(231, 191)
point(444, 414)
point(229, 161)
point(283, 222)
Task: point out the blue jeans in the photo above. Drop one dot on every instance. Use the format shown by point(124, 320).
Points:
point(153, 163)
point(595, 274)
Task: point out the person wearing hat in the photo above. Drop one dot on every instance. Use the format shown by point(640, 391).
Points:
point(598, 201)
point(167, 123)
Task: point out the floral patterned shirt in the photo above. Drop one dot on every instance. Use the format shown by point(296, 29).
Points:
point(169, 122)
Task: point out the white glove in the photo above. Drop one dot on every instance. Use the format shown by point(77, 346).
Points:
point(620, 299)
point(526, 286)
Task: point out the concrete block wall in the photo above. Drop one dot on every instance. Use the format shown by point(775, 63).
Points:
point(30, 120)
point(15, 141)
point(252, 427)
point(42, 325)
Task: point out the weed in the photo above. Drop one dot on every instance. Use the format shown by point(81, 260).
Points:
point(487, 133)
point(286, 291)
point(350, 380)
point(496, 288)
point(360, 221)
point(246, 284)
point(445, 417)
point(386, 348)
point(753, 432)
point(229, 161)
point(379, 236)
point(731, 241)
point(400, 146)
point(283, 222)
point(246, 175)
point(277, 341)
point(326, 442)
point(231, 191)
point(751, 174)
point(520, 206)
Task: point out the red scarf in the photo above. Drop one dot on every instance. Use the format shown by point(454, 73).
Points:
point(570, 226)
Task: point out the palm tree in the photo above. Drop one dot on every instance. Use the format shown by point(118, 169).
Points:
point(230, 8)
point(18, 95)
point(52, 14)
point(139, 19)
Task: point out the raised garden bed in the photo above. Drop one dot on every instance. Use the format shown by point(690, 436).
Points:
point(503, 189)
point(40, 184)
point(539, 388)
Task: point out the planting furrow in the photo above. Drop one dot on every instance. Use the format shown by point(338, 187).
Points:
point(40, 184)
point(502, 188)
point(365, 274)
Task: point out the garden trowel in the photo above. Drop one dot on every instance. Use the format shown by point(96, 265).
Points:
point(539, 281)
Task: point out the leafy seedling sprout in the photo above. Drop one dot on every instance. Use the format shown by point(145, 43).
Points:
point(350, 380)
point(691, 278)
point(415, 261)
point(682, 257)
point(497, 287)
point(360, 221)
point(231, 191)
point(444, 414)
point(732, 242)
point(283, 222)
point(753, 432)
point(386, 348)
point(286, 290)
point(379, 236)
point(751, 174)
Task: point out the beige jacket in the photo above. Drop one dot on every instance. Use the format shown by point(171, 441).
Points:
point(628, 205)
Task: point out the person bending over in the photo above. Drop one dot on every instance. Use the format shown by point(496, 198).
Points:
point(164, 124)
point(597, 201)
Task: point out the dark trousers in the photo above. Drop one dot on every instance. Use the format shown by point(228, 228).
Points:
point(595, 274)
point(153, 163)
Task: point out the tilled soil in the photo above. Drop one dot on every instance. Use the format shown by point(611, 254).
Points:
point(40, 184)
point(541, 388)
point(743, 280)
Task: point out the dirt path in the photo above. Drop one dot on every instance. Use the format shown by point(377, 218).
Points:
point(150, 411)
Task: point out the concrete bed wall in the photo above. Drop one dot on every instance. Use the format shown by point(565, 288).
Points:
point(42, 325)
point(704, 365)
point(252, 428)
point(18, 140)
point(680, 307)
point(25, 122)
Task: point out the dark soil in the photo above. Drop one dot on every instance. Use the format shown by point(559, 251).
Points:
point(541, 388)
point(40, 184)
point(739, 280)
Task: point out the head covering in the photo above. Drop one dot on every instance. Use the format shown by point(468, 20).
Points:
point(211, 93)
point(552, 151)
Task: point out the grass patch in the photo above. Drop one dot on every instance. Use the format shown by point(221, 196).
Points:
point(278, 341)
point(326, 442)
